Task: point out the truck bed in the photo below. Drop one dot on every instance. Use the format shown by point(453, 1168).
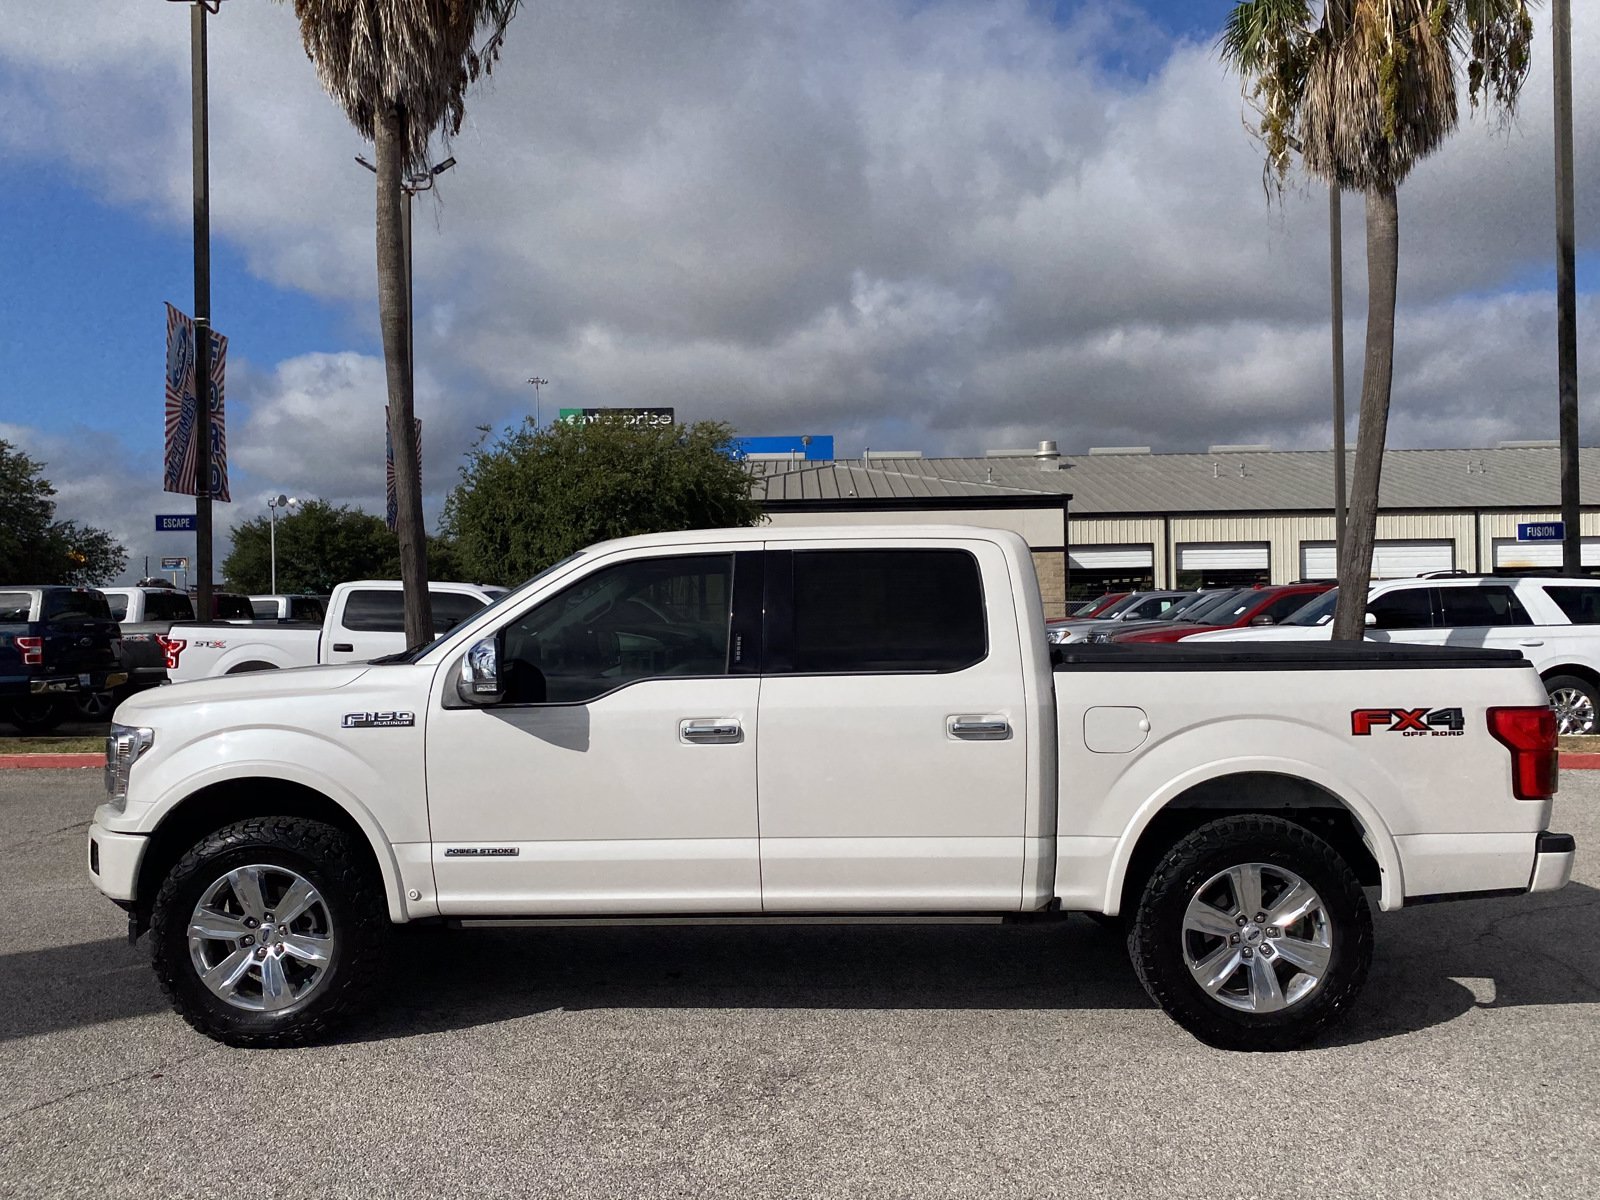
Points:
point(1276, 656)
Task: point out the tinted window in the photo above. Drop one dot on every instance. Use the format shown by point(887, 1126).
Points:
point(75, 604)
point(887, 610)
point(1213, 604)
point(306, 608)
point(1318, 612)
point(229, 607)
point(1110, 610)
point(1481, 606)
point(265, 610)
point(1286, 606)
point(645, 619)
point(15, 606)
point(118, 606)
point(167, 606)
point(451, 608)
point(1406, 609)
point(1581, 604)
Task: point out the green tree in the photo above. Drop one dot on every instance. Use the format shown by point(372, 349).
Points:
point(1363, 91)
point(37, 548)
point(533, 496)
point(400, 69)
point(318, 546)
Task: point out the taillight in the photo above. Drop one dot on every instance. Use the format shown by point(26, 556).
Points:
point(1530, 735)
point(32, 651)
point(173, 647)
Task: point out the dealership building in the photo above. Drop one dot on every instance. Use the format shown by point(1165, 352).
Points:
point(1122, 517)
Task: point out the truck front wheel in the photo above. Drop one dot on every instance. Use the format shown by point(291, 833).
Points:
point(1253, 934)
point(266, 932)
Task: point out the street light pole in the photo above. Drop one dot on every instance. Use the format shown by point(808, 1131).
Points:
point(537, 384)
point(202, 298)
point(1566, 291)
point(274, 503)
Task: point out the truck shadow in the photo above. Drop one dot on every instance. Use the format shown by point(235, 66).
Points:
point(1433, 965)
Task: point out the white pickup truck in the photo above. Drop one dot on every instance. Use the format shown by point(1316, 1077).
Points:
point(364, 620)
point(772, 725)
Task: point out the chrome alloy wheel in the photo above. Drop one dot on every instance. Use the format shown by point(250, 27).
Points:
point(261, 938)
point(1574, 711)
point(1257, 938)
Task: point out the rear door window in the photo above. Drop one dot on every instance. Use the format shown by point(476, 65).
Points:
point(872, 611)
point(119, 607)
point(451, 608)
point(1472, 606)
point(1409, 608)
point(15, 606)
point(375, 612)
point(306, 608)
point(1580, 604)
point(75, 604)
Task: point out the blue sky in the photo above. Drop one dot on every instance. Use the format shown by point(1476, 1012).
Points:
point(947, 225)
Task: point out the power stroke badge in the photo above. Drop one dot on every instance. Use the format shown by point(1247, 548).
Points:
point(379, 720)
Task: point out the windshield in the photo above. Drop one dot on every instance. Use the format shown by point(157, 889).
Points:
point(1318, 612)
point(411, 656)
point(1187, 604)
point(1126, 602)
point(1215, 602)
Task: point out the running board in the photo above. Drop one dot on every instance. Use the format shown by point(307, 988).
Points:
point(753, 919)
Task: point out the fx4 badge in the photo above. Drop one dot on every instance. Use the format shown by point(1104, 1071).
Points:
point(379, 720)
point(1409, 722)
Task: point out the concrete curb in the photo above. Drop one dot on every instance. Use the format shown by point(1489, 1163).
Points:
point(36, 761)
point(1580, 762)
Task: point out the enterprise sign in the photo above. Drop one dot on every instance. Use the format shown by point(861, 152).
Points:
point(622, 416)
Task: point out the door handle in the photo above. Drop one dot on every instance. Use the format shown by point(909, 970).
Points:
point(710, 731)
point(343, 647)
point(979, 729)
point(1530, 642)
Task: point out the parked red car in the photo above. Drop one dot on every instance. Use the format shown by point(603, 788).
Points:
point(1256, 606)
point(1096, 607)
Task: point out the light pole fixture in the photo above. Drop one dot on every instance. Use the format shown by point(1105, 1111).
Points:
point(411, 184)
point(274, 503)
point(537, 384)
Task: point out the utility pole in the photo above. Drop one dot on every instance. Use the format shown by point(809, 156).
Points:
point(537, 384)
point(1566, 290)
point(1336, 279)
point(202, 300)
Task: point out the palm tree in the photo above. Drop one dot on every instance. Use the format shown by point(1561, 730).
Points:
point(1363, 91)
point(400, 69)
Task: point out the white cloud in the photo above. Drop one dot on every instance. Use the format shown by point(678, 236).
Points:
point(941, 224)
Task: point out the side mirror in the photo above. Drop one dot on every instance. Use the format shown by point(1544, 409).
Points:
point(1262, 620)
point(1372, 621)
point(481, 681)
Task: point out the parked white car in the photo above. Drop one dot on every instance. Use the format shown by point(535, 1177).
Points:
point(365, 620)
point(1553, 622)
point(798, 723)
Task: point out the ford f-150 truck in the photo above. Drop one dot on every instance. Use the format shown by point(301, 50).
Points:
point(364, 620)
point(767, 724)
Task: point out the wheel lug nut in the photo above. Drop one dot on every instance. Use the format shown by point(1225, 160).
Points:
point(1266, 952)
point(1260, 917)
point(266, 917)
point(1241, 920)
point(248, 940)
point(1247, 953)
point(249, 922)
point(261, 952)
point(1274, 931)
point(1234, 940)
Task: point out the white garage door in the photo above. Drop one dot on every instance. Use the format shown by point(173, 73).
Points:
point(1390, 559)
point(1111, 558)
point(1223, 556)
point(1508, 552)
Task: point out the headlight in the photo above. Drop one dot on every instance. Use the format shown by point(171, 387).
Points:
point(1057, 636)
point(124, 745)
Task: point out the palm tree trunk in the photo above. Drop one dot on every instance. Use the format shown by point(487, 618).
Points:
point(1355, 567)
point(394, 316)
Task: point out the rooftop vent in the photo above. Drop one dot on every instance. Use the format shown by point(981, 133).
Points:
point(1047, 450)
point(1119, 449)
point(1257, 448)
point(877, 454)
point(1552, 444)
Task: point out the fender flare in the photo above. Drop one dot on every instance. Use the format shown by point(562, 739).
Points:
point(1378, 836)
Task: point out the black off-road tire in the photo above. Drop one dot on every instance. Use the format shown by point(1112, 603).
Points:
point(35, 715)
point(1155, 940)
point(350, 886)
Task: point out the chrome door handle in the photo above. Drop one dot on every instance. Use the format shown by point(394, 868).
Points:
point(979, 729)
point(710, 731)
point(1530, 642)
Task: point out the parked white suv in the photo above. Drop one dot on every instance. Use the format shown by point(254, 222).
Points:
point(1552, 621)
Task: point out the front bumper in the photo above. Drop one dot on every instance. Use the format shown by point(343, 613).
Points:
point(1552, 861)
point(114, 860)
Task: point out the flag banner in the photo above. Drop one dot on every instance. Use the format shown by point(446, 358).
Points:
point(183, 411)
point(391, 506)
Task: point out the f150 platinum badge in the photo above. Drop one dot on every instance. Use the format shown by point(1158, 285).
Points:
point(379, 720)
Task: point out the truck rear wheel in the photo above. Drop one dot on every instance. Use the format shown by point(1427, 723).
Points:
point(267, 931)
point(36, 714)
point(1253, 934)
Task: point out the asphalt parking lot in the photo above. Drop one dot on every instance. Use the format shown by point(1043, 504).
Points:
point(808, 1061)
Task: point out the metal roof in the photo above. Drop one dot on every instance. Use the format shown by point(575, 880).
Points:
point(1246, 481)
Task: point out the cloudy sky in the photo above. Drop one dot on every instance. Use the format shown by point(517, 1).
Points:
point(938, 226)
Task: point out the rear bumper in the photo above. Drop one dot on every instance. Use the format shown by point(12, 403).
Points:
point(88, 681)
point(114, 861)
point(1552, 861)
